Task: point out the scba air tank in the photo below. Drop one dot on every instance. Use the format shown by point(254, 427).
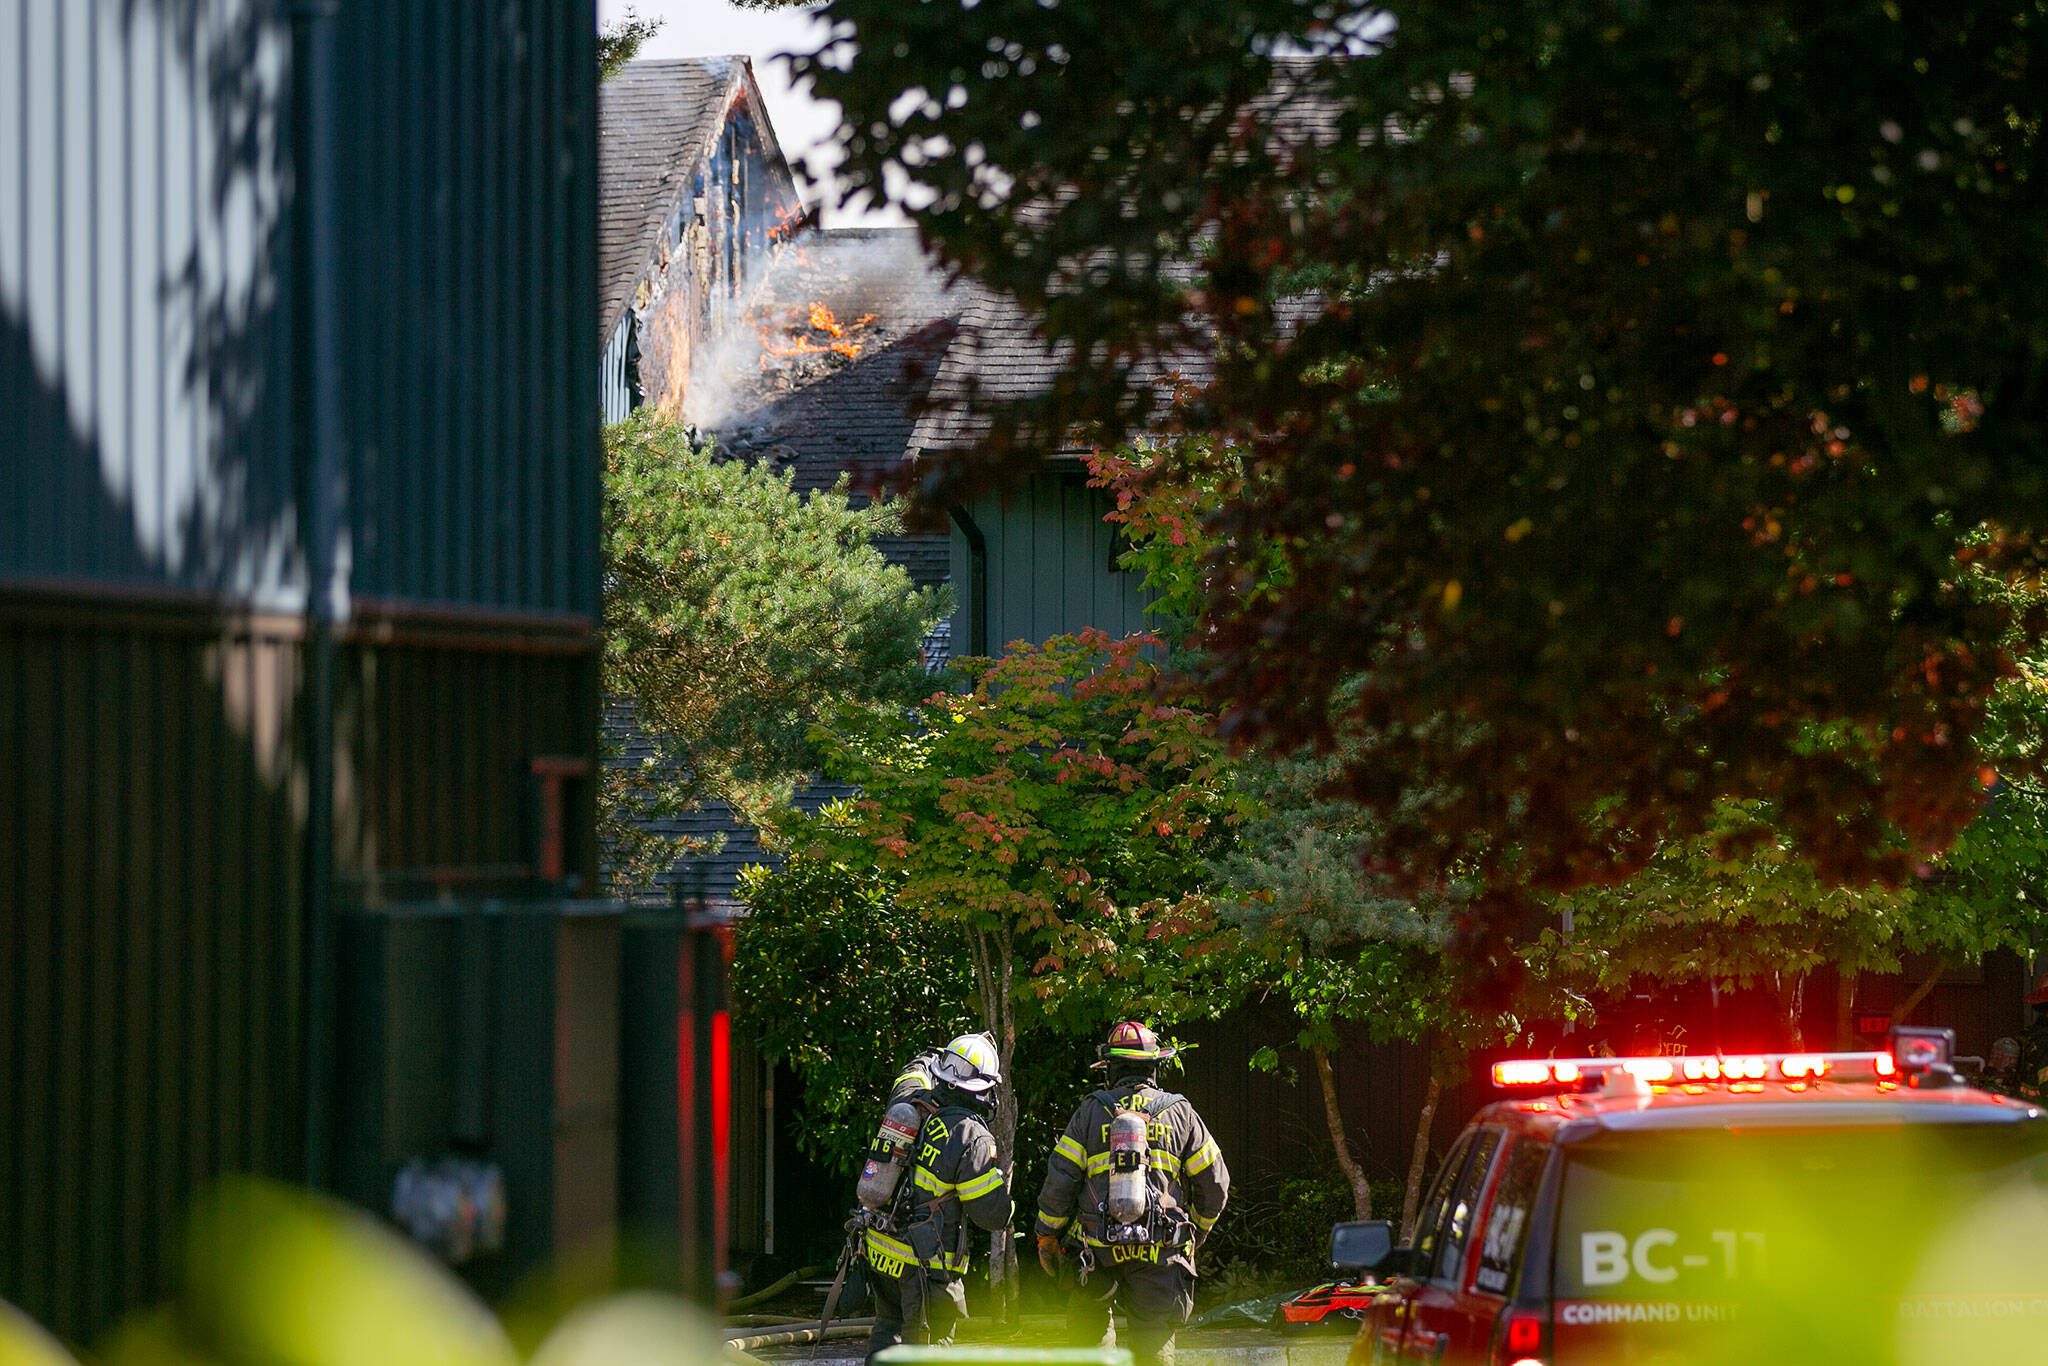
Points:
point(1127, 1164)
point(888, 1157)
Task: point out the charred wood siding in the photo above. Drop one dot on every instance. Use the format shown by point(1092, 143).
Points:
point(156, 732)
point(696, 197)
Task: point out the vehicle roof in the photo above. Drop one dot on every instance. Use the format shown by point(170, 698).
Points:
point(1577, 1118)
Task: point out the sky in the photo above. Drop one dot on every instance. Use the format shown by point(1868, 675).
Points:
point(703, 28)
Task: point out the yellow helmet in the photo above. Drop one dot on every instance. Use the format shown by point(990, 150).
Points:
point(970, 1064)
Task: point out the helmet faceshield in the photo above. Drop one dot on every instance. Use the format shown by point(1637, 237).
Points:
point(970, 1064)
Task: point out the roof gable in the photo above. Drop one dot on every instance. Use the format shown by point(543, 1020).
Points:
point(657, 123)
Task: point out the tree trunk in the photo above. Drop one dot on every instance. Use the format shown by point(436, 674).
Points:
point(1791, 1006)
point(1419, 1158)
point(994, 979)
point(1845, 1011)
point(1912, 1003)
point(1361, 1189)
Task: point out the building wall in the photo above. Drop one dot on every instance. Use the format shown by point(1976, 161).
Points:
point(158, 974)
point(1046, 567)
point(145, 334)
point(151, 1003)
point(149, 277)
point(436, 791)
point(713, 251)
point(467, 198)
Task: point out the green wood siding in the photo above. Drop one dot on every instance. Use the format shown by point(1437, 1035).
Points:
point(151, 946)
point(1048, 568)
point(164, 971)
point(150, 277)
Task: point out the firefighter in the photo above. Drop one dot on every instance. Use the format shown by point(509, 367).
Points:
point(1133, 1186)
point(916, 1262)
point(915, 1080)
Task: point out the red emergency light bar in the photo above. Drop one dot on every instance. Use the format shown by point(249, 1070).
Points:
point(1565, 1073)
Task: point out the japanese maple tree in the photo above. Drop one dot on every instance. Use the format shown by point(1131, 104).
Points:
point(1621, 387)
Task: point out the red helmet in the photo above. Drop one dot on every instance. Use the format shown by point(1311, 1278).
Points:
point(1131, 1041)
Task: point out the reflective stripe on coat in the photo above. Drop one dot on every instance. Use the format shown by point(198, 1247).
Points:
point(1186, 1167)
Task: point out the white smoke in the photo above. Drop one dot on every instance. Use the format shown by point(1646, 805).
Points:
point(876, 283)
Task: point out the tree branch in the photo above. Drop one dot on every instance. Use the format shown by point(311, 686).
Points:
point(1912, 1002)
point(1361, 1189)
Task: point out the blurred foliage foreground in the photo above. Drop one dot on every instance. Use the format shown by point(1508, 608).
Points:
point(279, 1277)
point(1897, 1242)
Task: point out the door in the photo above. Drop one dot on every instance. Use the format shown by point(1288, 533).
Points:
point(1445, 1323)
point(1504, 1232)
point(1388, 1322)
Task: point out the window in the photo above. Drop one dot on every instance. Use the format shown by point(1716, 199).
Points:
point(1462, 1209)
point(629, 368)
point(1507, 1220)
point(1431, 1216)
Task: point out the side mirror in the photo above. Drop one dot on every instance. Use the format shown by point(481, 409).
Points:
point(1360, 1245)
point(1925, 1056)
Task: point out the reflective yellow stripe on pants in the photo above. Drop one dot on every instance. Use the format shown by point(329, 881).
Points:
point(893, 1256)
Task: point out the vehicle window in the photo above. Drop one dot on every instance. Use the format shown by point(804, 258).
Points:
point(1428, 1222)
point(1462, 1209)
point(1507, 1219)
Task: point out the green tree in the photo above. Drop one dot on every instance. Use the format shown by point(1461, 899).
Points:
point(737, 612)
point(1334, 938)
point(620, 42)
point(832, 978)
point(1055, 819)
point(1338, 949)
point(1346, 952)
point(1740, 906)
point(1625, 382)
point(1740, 909)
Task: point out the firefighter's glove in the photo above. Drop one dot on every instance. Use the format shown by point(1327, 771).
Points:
point(1050, 1254)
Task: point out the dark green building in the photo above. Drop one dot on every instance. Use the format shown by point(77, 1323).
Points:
point(1038, 559)
point(298, 621)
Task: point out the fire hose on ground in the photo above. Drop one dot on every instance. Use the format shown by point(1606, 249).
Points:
point(769, 1292)
point(756, 1320)
point(795, 1334)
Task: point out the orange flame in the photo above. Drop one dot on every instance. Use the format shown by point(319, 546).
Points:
point(789, 219)
point(819, 333)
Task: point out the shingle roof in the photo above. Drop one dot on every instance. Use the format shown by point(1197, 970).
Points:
point(655, 122)
point(713, 879)
point(824, 416)
point(1000, 357)
point(707, 876)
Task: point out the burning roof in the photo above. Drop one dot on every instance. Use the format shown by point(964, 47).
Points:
point(836, 351)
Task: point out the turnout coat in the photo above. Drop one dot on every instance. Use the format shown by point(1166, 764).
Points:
point(954, 1184)
point(1186, 1172)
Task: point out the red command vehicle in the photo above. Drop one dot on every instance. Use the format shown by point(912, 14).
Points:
point(1814, 1207)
